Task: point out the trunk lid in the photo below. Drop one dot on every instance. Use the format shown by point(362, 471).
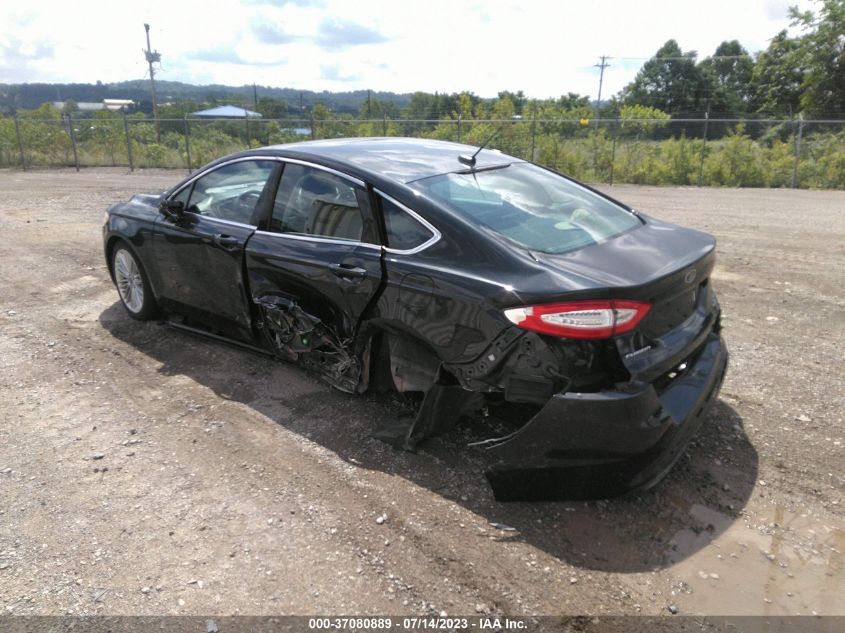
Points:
point(667, 265)
point(632, 263)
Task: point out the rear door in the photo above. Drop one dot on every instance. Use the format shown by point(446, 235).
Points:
point(318, 255)
point(201, 256)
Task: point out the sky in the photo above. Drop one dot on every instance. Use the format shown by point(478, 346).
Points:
point(545, 49)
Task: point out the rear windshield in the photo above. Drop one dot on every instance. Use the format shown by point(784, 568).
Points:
point(531, 206)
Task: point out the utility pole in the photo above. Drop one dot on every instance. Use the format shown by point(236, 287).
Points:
point(601, 68)
point(153, 57)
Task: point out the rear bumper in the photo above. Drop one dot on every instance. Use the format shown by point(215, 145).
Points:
point(598, 445)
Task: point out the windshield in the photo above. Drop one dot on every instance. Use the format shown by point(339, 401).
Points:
point(531, 206)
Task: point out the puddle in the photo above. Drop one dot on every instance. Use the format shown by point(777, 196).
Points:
point(778, 563)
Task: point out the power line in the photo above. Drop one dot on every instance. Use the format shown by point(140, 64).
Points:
point(682, 57)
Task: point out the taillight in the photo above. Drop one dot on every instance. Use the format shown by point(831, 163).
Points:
point(581, 319)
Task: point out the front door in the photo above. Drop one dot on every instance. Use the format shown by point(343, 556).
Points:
point(201, 256)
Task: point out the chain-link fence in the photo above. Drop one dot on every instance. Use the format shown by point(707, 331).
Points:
point(692, 151)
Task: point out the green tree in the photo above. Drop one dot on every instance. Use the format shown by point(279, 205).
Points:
point(8, 142)
point(424, 105)
point(727, 79)
point(44, 135)
point(573, 101)
point(680, 159)
point(670, 81)
point(638, 159)
point(518, 99)
point(777, 77)
point(103, 136)
point(736, 162)
point(827, 162)
point(330, 125)
point(71, 108)
point(373, 108)
point(468, 105)
point(639, 120)
point(822, 49)
point(271, 108)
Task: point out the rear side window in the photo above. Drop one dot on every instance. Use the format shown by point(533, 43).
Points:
point(404, 232)
point(531, 206)
point(311, 201)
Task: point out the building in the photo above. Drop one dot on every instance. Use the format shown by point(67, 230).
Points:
point(227, 112)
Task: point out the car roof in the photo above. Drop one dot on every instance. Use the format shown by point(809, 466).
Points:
point(400, 159)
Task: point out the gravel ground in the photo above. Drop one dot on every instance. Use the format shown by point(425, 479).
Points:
point(144, 471)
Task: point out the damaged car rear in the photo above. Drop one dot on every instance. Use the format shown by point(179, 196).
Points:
point(464, 276)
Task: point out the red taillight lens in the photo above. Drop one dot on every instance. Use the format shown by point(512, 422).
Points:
point(581, 319)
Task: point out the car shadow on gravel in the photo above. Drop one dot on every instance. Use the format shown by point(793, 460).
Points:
point(701, 497)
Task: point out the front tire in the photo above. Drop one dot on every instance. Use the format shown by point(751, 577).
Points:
point(133, 285)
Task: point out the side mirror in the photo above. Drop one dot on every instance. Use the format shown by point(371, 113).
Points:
point(173, 210)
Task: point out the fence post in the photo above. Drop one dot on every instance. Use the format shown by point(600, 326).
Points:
point(128, 140)
point(613, 150)
point(246, 123)
point(313, 128)
point(460, 121)
point(703, 146)
point(187, 141)
point(533, 133)
point(72, 141)
point(20, 141)
point(797, 150)
point(384, 124)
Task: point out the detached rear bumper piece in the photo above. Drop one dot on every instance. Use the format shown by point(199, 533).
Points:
point(605, 444)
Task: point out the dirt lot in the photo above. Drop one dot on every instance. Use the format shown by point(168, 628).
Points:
point(144, 471)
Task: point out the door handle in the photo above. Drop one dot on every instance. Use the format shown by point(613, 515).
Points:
point(345, 271)
point(225, 240)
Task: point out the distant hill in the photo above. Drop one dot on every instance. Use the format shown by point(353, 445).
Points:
point(29, 96)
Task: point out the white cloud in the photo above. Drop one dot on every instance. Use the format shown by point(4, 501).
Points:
point(543, 48)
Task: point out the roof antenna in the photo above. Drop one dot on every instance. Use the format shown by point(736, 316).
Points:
point(469, 161)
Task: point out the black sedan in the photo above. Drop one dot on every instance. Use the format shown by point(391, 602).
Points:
point(463, 277)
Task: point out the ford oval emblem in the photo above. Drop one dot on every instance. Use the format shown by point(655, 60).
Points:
point(690, 276)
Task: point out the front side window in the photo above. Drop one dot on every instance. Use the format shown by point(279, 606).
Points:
point(531, 206)
point(403, 232)
point(231, 192)
point(183, 195)
point(311, 201)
